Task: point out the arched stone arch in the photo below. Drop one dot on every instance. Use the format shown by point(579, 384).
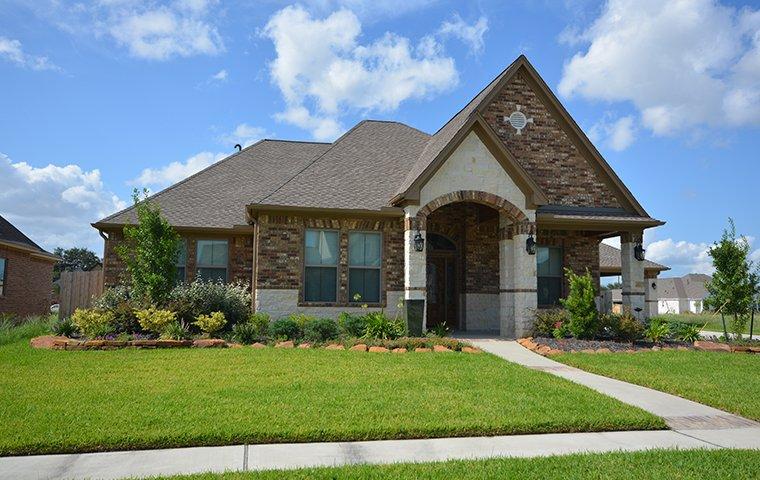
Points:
point(520, 221)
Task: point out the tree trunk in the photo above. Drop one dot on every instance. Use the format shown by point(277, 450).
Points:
point(752, 322)
point(725, 331)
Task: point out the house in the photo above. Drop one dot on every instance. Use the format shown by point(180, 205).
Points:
point(471, 226)
point(610, 266)
point(682, 295)
point(26, 273)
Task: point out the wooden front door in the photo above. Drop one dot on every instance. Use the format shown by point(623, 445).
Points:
point(441, 290)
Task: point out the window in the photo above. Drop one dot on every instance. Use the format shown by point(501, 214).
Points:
point(364, 266)
point(321, 266)
point(2, 276)
point(212, 260)
point(549, 261)
point(181, 261)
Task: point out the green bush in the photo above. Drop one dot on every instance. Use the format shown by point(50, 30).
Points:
point(546, 320)
point(13, 328)
point(286, 328)
point(260, 322)
point(657, 331)
point(581, 304)
point(320, 330)
point(176, 331)
point(93, 323)
point(686, 332)
point(118, 301)
point(65, 327)
point(378, 325)
point(201, 297)
point(246, 333)
point(629, 329)
point(155, 320)
point(352, 325)
point(212, 323)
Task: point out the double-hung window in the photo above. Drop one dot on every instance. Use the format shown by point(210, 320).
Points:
point(364, 258)
point(321, 265)
point(2, 276)
point(181, 261)
point(549, 261)
point(212, 260)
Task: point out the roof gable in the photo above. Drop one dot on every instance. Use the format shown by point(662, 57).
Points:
point(13, 237)
point(479, 106)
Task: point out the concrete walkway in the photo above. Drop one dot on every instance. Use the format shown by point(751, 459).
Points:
point(693, 426)
point(690, 418)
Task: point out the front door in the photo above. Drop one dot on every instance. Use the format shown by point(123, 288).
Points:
point(441, 291)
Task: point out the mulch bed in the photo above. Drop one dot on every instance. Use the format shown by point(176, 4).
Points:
point(551, 346)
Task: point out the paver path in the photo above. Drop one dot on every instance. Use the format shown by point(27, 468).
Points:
point(685, 416)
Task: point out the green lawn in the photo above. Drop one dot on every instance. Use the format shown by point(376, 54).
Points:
point(712, 323)
point(58, 401)
point(723, 380)
point(670, 464)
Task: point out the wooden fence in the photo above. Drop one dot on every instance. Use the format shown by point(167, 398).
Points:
point(77, 290)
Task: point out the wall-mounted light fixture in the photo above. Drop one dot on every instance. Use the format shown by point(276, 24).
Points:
point(419, 242)
point(530, 245)
point(638, 252)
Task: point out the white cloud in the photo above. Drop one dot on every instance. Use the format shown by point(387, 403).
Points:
point(681, 256)
point(323, 72)
point(158, 178)
point(616, 134)
point(12, 51)
point(243, 134)
point(54, 205)
point(219, 76)
point(369, 10)
point(682, 64)
point(472, 35)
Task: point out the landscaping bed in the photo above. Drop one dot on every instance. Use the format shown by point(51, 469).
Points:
point(553, 346)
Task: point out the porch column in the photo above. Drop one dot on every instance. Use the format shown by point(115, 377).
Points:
point(633, 276)
point(525, 281)
point(506, 278)
point(415, 274)
point(650, 297)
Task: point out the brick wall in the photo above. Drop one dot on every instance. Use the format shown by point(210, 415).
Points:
point(280, 257)
point(580, 250)
point(28, 286)
point(239, 255)
point(546, 151)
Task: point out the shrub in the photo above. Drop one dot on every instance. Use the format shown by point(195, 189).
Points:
point(629, 328)
point(561, 330)
point(439, 330)
point(657, 331)
point(546, 320)
point(210, 324)
point(320, 330)
point(581, 305)
point(65, 327)
point(176, 331)
point(352, 325)
point(378, 325)
point(686, 332)
point(118, 301)
point(13, 328)
point(155, 320)
point(204, 297)
point(246, 333)
point(93, 323)
point(260, 322)
point(285, 328)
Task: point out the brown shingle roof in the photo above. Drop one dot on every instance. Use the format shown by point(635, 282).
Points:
point(361, 170)
point(10, 235)
point(609, 260)
point(216, 196)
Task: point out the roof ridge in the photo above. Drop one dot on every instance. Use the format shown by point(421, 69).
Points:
point(184, 180)
point(28, 241)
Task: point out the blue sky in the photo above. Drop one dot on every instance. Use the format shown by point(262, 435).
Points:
point(97, 98)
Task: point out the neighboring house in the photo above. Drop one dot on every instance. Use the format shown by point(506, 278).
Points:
point(682, 295)
point(26, 273)
point(445, 223)
point(610, 266)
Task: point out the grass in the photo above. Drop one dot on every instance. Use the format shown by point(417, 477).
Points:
point(722, 380)
point(656, 464)
point(712, 323)
point(59, 401)
point(12, 329)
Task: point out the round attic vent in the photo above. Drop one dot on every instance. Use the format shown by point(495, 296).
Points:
point(518, 120)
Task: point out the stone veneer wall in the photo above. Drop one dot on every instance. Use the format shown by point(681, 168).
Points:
point(546, 151)
point(279, 286)
point(239, 257)
point(580, 250)
point(28, 286)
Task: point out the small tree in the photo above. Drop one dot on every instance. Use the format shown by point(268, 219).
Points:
point(580, 302)
point(150, 253)
point(732, 288)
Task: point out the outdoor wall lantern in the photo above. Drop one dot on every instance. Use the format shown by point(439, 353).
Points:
point(530, 245)
point(419, 242)
point(638, 252)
